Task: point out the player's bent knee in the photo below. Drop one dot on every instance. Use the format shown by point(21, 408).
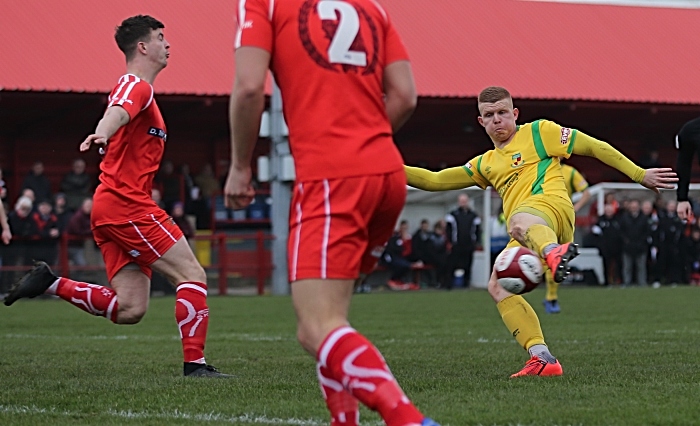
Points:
point(130, 314)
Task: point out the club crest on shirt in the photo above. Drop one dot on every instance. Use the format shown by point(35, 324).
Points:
point(565, 132)
point(517, 160)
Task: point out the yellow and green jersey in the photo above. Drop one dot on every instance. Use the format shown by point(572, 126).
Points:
point(528, 165)
point(575, 182)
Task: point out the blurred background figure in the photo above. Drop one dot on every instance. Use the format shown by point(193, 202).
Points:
point(76, 185)
point(37, 181)
point(464, 233)
point(636, 234)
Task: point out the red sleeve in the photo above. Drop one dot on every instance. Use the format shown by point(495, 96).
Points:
point(134, 97)
point(395, 50)
point(254, 26)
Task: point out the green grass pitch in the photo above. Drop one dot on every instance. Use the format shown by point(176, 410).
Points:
point(630, 357)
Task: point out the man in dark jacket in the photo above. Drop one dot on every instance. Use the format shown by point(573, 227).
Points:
point(671, 262)
point(464, 232)
point(76, 185)
point(636, 233)
point(609, 242)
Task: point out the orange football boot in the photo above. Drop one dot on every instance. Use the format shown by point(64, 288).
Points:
point(559, 258)
point(539, 367)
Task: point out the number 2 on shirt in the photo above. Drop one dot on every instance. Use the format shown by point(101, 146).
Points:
point(348, 26)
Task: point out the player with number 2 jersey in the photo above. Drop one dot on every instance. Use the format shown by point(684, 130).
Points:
point(346, 85)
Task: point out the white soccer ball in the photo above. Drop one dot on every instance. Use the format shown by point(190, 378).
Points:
point(518, 270)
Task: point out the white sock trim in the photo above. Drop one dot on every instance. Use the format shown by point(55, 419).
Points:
point(331, 340)
point(193, 287)
point(53, 288)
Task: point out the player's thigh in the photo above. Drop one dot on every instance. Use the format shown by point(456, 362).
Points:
point(133, 289)
point(179, 264)
point(113, 248)
point(321, 306)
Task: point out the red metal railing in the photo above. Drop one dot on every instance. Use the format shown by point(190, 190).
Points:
point(255, 263)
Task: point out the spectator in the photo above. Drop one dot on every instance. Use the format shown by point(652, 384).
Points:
point(693, 256)
point(636, 233)
point(23, 230)
point(37, 181)
point(396, 258)
point(169, 184)
point(671, 264)
point(61, 212)
point(207, 182)
point(77, 185)
point(181, 221)
point(3, 189)
point(5, 237)
point(29, 193)
point(79, 226)
point(157, 197)
point(423, 249)
point(653, 269)
point(499, 235)
point(189, 187)
point(463, 231)
point(47, 235)
point(609, 242)
point(439, 240)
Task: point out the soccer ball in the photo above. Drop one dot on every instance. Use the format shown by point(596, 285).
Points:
point(518, 270)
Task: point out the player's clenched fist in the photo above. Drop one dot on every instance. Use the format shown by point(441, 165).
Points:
point(238, 192)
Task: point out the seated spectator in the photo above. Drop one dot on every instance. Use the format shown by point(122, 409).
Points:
point(208, 186)
point(181, 221)
point(439, 240)
point(424, 250)
point(79, 226)
point(37, 181)
point(47, 235)
point(77, 185)
point(396, 259)
point(189, 185)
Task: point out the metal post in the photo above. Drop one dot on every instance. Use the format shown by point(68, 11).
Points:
point(281, 195)
point(486, 236)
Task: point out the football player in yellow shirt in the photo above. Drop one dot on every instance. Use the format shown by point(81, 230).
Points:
point(524, 169)
point(575, 183)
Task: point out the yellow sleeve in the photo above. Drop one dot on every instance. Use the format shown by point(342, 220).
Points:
point(444, 180)
point(603, 151)
point(579, 182)
point(558, 141)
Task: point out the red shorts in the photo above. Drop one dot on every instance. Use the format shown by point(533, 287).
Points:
point(141, 241)
point(338, 227)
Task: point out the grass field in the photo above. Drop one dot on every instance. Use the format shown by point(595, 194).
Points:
point(630, 356)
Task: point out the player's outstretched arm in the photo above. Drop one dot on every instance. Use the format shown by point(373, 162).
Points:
point(585, 197)
point(115, 117)
point(245, 110)
point(654, 179)
point(444, 180)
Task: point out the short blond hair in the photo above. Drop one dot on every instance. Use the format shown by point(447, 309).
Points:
point(494, 94)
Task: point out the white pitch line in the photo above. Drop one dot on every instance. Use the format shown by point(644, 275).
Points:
point(172, 415)
point(228, 336)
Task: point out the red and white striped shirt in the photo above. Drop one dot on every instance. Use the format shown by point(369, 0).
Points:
point(133, 155)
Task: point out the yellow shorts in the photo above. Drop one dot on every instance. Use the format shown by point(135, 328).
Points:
point(556, 211)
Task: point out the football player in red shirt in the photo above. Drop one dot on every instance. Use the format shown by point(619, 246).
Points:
point(347, 84)
point(133, 233)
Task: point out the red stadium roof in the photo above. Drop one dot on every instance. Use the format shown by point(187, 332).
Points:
point(538, 50)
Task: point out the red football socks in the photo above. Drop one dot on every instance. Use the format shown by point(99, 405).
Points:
point(91, 298)
point(344, 408)
point(349, 359)
point(192, 316)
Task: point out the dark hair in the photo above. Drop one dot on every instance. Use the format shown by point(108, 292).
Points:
point(493, 94)
point(133, 30)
